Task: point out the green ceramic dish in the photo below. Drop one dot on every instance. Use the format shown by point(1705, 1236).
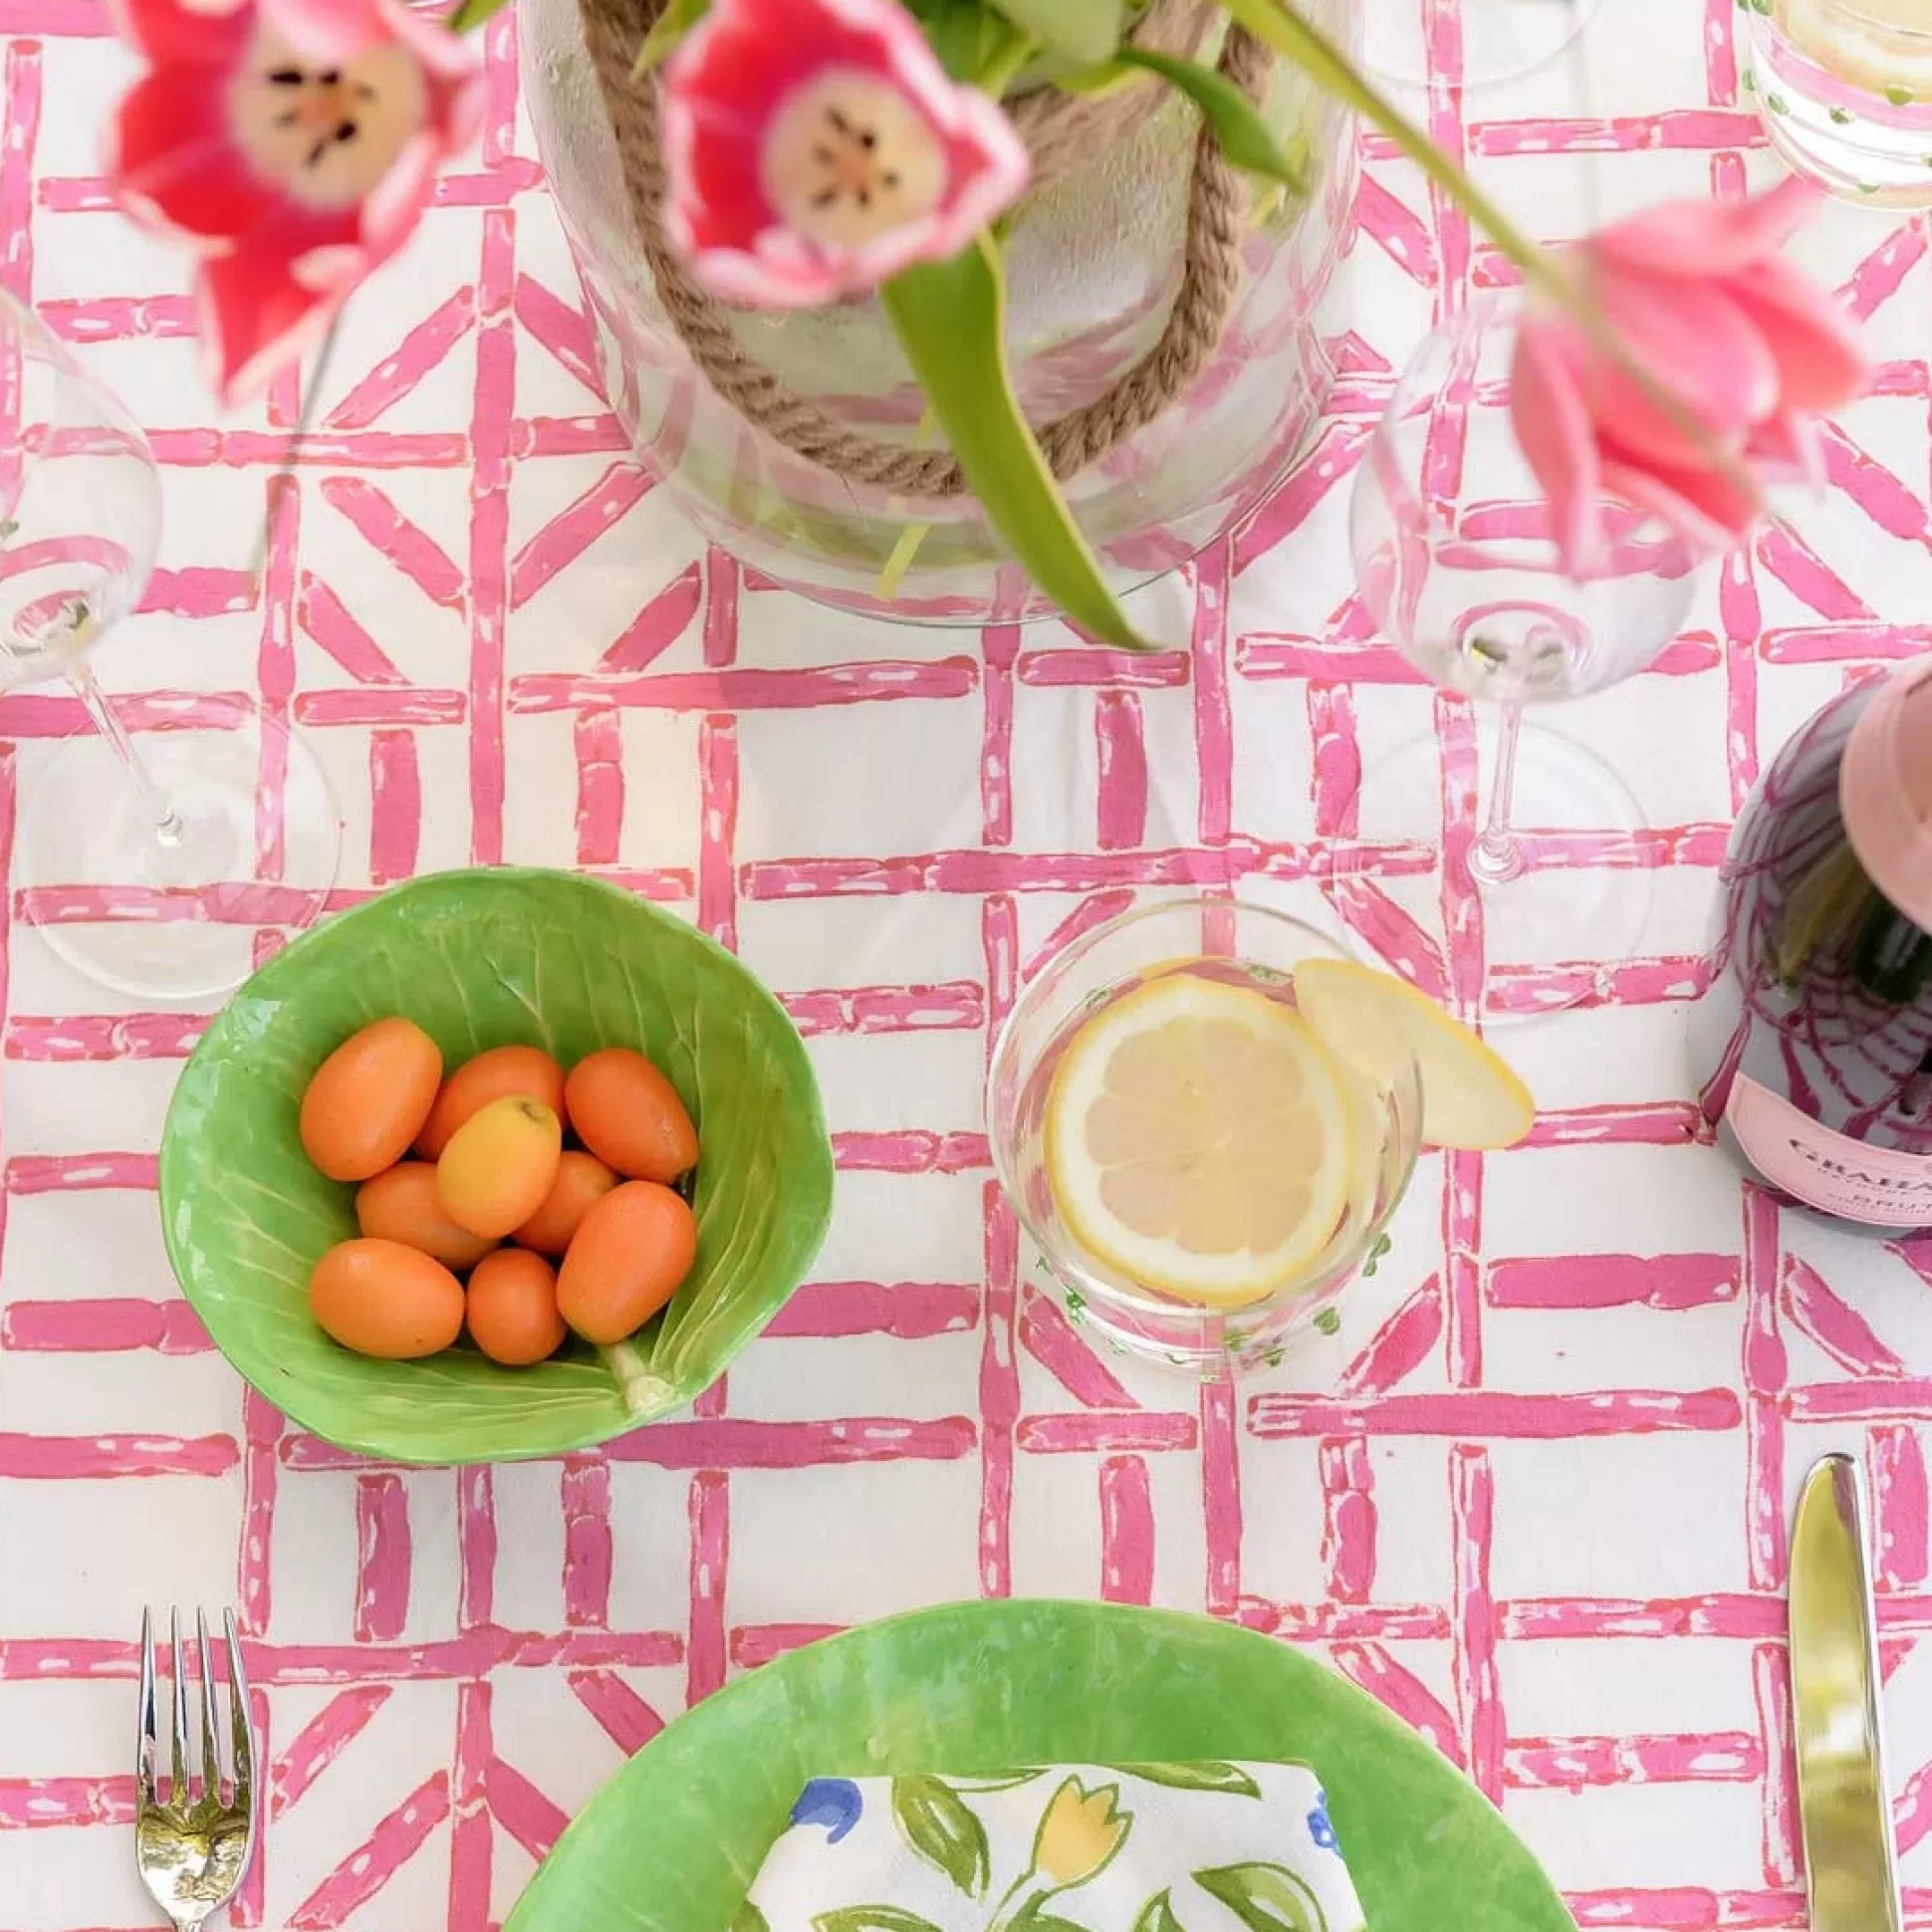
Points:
point(672, 1842)
point(479, 960)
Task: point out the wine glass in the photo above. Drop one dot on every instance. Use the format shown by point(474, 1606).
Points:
point(1478, 43)
point(1457, 564)
point(145, 868)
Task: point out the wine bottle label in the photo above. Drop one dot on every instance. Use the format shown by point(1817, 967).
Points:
point(1825, 1170)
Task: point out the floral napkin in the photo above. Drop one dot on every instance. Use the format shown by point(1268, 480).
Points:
point(1184, 1848)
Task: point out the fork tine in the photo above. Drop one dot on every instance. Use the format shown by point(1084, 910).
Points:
point(210, 1743)
point(144, 1739)
point(181, 1775)
point(241, 1721)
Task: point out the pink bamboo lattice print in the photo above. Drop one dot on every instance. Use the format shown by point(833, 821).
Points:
point(1534, 1495)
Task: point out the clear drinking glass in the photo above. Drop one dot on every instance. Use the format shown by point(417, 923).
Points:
point(1480, 43)
point(139, 865)
point(1456, 562)
point(1249, 946)
point(1845, 92)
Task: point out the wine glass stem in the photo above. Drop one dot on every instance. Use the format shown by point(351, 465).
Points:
point(1497, 856)
point(168, 829)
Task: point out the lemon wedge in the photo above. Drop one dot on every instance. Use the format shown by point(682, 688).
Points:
point(1373, 1022)
point(1198, 1139)
point(1880, 45)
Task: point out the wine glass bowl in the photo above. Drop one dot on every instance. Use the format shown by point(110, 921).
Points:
point(79, 510)
point(1457, 561)
point(1454, 552)
point(127, 855)
point(1479, 43)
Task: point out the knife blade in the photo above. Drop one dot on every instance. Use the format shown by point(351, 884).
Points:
point(1843, 1802)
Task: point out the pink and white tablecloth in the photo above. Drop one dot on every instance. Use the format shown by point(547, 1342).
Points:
point(1532, 1494)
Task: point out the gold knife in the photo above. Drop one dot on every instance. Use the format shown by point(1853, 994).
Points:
point(1851, 1869)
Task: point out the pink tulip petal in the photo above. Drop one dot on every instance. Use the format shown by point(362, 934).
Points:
point(326, 30)
point(448, 56)
point(396, 204)
point(1821, 365)
point(167, 32)
point(1713, 511)
point(172, 154)
point(1786, 449)
point(723, 204)
point(255, 318)
point(1698, 347)
point(1694, 240)
point(333, 269)
point(468, 102)
point(990, 167)
point(1553, 432)
point(745, 56)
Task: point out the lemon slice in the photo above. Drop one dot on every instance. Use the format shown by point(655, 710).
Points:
point(1198, 1140)
point(1374, 1022)
point(1880, 45)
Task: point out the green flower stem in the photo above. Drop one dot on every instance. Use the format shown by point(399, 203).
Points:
point(1328, 65)
point(1022, 1899)
point(1331, 69)
point(950, 318)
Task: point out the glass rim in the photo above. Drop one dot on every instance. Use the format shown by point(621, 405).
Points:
point(1145, 1299)
point(1413, 396)
point(1852, 10)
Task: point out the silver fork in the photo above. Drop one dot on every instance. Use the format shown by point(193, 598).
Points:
point(194, 1845)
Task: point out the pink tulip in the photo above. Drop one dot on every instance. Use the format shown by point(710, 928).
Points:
point(292, 144)
point(816, 148)
point(1745, 345)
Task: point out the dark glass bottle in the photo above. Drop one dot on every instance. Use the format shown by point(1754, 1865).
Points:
point(1812, 1044)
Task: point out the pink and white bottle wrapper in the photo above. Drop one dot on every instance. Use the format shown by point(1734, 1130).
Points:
point(1181, 1848)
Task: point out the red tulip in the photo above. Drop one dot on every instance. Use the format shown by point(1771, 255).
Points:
point(817, 147)
point(292, 144)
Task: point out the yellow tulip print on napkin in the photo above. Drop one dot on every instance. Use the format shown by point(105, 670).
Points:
point(1183, 1847)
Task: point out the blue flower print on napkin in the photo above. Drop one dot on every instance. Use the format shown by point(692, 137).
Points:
point(1320, 1829)
point(836, 1804)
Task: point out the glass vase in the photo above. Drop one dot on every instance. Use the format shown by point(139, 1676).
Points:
point(1093, 261)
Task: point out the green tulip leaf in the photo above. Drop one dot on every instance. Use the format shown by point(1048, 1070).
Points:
point(1084, 30)
point(1157, 1915)
point(1265, 1898)
point(950, 317)
point(661, 40)
point(468, 14)
point(1206, 1775)
point(482, 959)
point(871, 1918)
point(1244, 138)
point(945, 1831)
point(973, 44)
point(750, 1919)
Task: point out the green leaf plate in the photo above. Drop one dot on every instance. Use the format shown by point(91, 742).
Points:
point(479, 960)
point(674, 1841)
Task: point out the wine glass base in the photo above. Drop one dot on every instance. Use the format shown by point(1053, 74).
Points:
point(176, 919)
point(1501, 39)
point(1551, 936)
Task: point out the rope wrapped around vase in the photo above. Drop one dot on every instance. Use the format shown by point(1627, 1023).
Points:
point(1059, 129)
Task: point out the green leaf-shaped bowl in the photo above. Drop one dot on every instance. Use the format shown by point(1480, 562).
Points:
point(479, 960)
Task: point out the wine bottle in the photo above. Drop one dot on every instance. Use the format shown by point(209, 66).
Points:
point(1812, 1043)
